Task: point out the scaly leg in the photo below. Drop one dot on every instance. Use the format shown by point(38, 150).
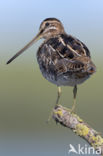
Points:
point(58, 96)
point(57, 101)
point(74, 96)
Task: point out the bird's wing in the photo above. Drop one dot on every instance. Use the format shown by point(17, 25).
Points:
point(82, 65)
point(71, 66)
point(74, 45)
point(68, 46)
point(67, 53)
point(64, 54)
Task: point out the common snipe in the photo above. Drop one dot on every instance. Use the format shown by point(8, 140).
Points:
point(63, 59)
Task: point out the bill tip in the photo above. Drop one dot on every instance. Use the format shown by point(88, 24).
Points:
point(8, 62)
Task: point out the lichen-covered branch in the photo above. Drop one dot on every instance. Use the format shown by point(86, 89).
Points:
point(74, 122)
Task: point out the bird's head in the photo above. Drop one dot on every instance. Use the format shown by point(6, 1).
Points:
point(50, 27)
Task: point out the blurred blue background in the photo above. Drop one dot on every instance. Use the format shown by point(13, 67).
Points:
point(26, 98)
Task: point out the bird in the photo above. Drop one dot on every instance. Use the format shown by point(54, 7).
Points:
point(63, 59)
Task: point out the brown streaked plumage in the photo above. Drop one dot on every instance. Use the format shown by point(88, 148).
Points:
point(63, 59)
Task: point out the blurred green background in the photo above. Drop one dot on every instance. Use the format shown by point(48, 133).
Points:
point(26, 98)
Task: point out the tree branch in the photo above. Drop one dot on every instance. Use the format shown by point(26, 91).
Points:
point(76, 124)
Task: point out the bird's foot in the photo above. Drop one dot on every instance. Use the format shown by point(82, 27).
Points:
point(72, 110)
point(51, 113)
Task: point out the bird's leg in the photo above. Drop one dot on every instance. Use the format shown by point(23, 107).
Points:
point(74, 96)
point(57, 101)
point(58, 96)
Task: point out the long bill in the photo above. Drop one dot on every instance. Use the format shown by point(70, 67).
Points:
point(26, 47)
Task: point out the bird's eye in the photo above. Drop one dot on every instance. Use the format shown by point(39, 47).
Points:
point(47, 24)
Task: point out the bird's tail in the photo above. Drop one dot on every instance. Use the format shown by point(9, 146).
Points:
point(91, 68)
